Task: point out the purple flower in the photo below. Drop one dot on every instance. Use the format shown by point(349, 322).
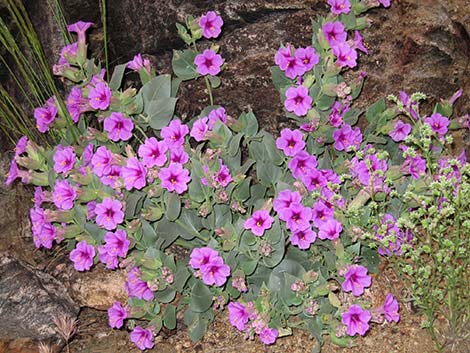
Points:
point(303, 238)
point(211, 24)
point(117, 243)
point(64, 159)
point(116, 315)
point(223, 177)
point(109, 213)
point(268, 335)
point(200, 257)
point(438, 123)
point(297, 100)
point(111, 261)
point(314, 179)
point(218, 114)
point(152, 152)
point(356, 279)
point(208, 63)
point(45, 116)
point(285, 199)
point(346, 56)
point(112, 177)
point(357, 43)
point(138, 63)
point(321, 213)
point(334, 33)
point(118, 127)
point(21, 145)
point(44, 236)
point(400, 131)
point(356, 320)
point(199, 129)
point(259, 222)
point(215, 272)
point(339, 6)
point(175, 178)
point(416, 166)
point(134, 174)
point(80, 28)
point(238, 315)
point(75, 103)
point(82, 256)
point(294, 67)
point(301, 164)
point(385, 3)
point(308, 57)
point(290, 142)
point(346, 139)
point(283, 57)
point(142, 338)
point(136, 287)
point(297, 216)
point(337, 112)
point(391, 308)
point(179, 155)
point(330, 229)
point(68, 53)
point(99, 96)
point(102, 161)
point(173, 134)
point(64, 195)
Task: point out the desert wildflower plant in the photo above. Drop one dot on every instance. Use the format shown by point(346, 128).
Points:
point(282, 232)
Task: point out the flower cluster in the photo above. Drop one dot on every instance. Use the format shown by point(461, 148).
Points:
point(210, 266)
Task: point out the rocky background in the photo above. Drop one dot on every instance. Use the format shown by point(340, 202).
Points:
point(416, 45)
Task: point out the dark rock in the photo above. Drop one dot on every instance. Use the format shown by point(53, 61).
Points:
point(30, 300)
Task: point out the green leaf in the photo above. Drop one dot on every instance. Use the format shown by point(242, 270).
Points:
point(267, 173)
point(160, 112)
point(214, 81)
point(279, 78)
point(201, 297)
point(157, 88)
point(249, 124)
point(234, 144)
point(173, 206)
point(183, 64)
point(134, 202)
point(181, 277)
point(149, 236)
point(165, 296)
point(169, 317)
point(334, 300)
point(116, 78)
point(375, 110)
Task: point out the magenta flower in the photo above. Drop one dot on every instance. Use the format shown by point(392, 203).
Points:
point(308, 57)
point(80, 28)
point(118, 127)
point(301, 164)
point(356, 279)
point(339, 6)
point(117, 242)
point(223, 177)
point(208, 63)
point(211, 24)
point(268, 335)
point(321, 213)
point(385, 3)
point(63, 195)
point(356, 320)
point(173, 134)
point(303, 238)
point(82, 256)
point(334, 33)
point(175, 178)
point(259, 222)
point(64, 159)
point(285, 199)
point(179, 155)
point(109, 213)
point(283, 57)
point(68, 54)
point(391, 308)
point(346, 56)
point(290, 142)
point(330, 229)
point(45, 116)
point(152, 152)
point(116, 315)
point(297, 216)
point(314, 179)
point(102, 161)
point(75, 103)
point(138, 63)
point(416, 166)
point(218, 114)
point(100, 96)
point(21, 145)
point(134, 174)
point(44, 236)
point(215, 272)
point(347, 138)
point(358, 43)
point(199, 129)
point(294, 67)
point(200, 257)
point(111, 261)
point(400, 131)
point(111, 179)
point(238, 315)
point(438, 123)
point(297, 100)
point(142, 338)
point(137, 288)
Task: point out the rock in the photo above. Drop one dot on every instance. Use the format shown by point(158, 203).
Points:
point(30, 300)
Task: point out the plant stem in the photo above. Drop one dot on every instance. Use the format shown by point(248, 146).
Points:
point(209, 90)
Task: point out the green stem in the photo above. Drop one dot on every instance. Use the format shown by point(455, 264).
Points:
point(105, 40)
point(209, 90)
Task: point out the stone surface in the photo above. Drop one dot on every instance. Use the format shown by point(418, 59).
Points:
point(30, 300)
